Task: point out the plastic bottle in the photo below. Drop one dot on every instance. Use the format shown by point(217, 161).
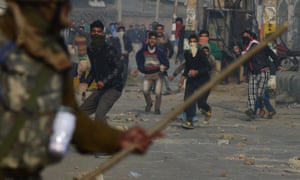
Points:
point(63, 128)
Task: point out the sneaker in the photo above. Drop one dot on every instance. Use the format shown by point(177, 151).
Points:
point(148, 107)
point(262, 113)
point(194, 119)
point(157, 111)
point(166, 93)
point(250, 114)
point(207, 115)
point(271, 114)
point(188, 125)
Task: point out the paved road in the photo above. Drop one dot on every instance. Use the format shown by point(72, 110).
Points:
point(227, 148)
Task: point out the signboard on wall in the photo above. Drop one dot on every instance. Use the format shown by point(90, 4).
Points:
point(269, 20)
point(191, 22)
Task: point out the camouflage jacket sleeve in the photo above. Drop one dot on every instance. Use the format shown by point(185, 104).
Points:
point(89, 136)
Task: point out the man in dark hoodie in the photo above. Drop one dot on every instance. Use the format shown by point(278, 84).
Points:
point(106, 70)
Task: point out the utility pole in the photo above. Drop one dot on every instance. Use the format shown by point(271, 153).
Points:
point(190, 22)
point(157, 10)
point(119, 7)
point(191, 12)
point(269, 19)
point(174, 19)
point(175, 9)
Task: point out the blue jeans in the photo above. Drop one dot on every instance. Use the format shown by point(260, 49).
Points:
point(266, 101)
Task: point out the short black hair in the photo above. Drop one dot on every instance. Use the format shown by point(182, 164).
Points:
point(97, 24)
point(203, 32)
point(193, 36)
point(247, 31)
point(121, 27)
point(160, 25)
point(152, 33)
point(179, 19)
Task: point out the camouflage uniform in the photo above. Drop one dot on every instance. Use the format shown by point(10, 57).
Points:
point(17, 78)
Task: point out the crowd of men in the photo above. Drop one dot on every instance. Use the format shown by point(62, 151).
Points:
point(153, 55)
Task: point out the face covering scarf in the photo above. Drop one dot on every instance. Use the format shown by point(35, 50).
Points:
point(97, 41)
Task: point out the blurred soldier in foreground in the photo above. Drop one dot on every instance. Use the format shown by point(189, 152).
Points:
point(38, 111)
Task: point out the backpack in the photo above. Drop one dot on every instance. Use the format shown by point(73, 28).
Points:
point(19, 78)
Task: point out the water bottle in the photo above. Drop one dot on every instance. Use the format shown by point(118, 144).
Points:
point(63, 128)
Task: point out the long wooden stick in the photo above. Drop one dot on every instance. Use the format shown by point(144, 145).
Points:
point(174, 113)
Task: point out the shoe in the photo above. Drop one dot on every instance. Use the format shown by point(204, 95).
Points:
point(207, 115)
point(166, 93)
point(271, 114)
point(157, 111)
point(188, 125)
point(148, 107)
point(262, 113)
point(250, 114)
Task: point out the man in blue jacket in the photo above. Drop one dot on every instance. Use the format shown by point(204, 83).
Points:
point(152, 62)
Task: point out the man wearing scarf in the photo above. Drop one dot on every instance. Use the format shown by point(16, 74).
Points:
point(196, 73)
point(106, 70)
point(258, 72)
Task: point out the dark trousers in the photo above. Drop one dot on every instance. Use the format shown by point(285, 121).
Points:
point(20, 174)
point(125, 69)
point(190, 88)
point(100, 101)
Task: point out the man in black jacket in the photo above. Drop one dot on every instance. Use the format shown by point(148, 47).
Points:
point(258, 72)
point(106, 70)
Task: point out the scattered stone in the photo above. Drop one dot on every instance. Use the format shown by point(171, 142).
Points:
point(249, 161)
point(243, 142)
point(134, 174)
point(223, 141)
point(226, 137)
point(129, 119)
point(294, 163)
point(137, 115)
point(242, 156)
point(223, 174)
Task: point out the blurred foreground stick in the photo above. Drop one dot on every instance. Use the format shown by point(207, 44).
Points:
point(173, 114)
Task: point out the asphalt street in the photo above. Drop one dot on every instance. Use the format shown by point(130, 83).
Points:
point(227, 148)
